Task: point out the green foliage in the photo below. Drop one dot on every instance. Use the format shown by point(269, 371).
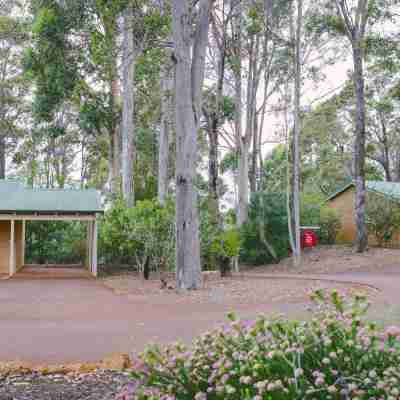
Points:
point(55, 242)
point(267, 228)
point(325, 23)
point(275, 170)
point(382, 217)
point(219, 249)
point(334, 354)
point(310, 212)
point(226, 244)
point(229, 162)
point(49, 60)
point(131, 235)
point(330, 223)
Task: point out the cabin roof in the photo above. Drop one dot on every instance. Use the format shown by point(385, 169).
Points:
point(388, 189)
point(15, 197)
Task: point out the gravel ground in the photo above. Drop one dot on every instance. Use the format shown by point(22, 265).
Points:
point(239, 290)
point(230, 291)
point(99, 385)
point(336, 259)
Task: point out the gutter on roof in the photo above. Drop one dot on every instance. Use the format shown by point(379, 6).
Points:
point(340, 191)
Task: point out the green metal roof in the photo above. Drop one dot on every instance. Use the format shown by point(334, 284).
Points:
point(389, 189)
point(15, 197)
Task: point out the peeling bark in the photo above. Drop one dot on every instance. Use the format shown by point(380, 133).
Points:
point(359, 151)
point(189, 76)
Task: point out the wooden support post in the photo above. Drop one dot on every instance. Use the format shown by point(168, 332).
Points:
point(94, 248)
point(89, 247)
point(23, 239)
point(12, 266)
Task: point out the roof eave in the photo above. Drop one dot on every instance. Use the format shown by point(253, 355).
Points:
point(339, 192)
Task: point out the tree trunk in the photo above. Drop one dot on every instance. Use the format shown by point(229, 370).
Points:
point(213, 126)
point(189, 75)
point(255, 156)
point(213, 205)
point(386, 149)
point(114, 158)
point(359, 149)
point(296, 135)
point(243, 184)
point(167, 85)
point(127, 128)
point(2, 157)
point(251, 124)
point(242, 145)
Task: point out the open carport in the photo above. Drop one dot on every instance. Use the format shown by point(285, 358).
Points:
point(19, 205)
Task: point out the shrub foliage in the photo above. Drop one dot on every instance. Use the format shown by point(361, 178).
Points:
point(330, 225)
point(135, 235)
point(334, 355)
point(382, 217)
point(55, 242)
point(265, 237)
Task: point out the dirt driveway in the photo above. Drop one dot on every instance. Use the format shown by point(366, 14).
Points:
point(80, 320)
point(57, 321)
point(77, 320)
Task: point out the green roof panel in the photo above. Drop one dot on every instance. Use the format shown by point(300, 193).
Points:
point(15, 197)
point(389, 189)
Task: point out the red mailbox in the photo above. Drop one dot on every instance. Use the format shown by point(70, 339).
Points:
point(309, 239)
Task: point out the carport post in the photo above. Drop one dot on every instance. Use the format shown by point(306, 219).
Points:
point(12, 266)
point(89, 246)
point(23, 242)
point(94, 248)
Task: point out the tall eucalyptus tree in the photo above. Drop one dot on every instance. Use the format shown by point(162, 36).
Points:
point(189, 55)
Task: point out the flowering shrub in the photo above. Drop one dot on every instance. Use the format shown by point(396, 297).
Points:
point(334, 355)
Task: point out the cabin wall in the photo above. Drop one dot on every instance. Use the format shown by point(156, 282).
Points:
point(344, 204)
point(5, 231)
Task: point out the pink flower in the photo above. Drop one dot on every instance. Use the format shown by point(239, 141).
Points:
point(392, 331)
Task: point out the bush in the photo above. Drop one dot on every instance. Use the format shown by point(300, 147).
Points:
point(265, 237)
point(330, 224)
point(139, 235)
point(382, 217)
point(335, 355)
point(55, 242)
point(224, 247)
point(310, 212)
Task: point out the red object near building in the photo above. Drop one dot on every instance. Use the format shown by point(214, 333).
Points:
point(309, 239)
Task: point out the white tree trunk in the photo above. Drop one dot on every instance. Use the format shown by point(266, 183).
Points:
point(243, 184)
point(242, 145)
point(189, 75)
point(127, 128)
point(296, 135)
point(359, 150)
